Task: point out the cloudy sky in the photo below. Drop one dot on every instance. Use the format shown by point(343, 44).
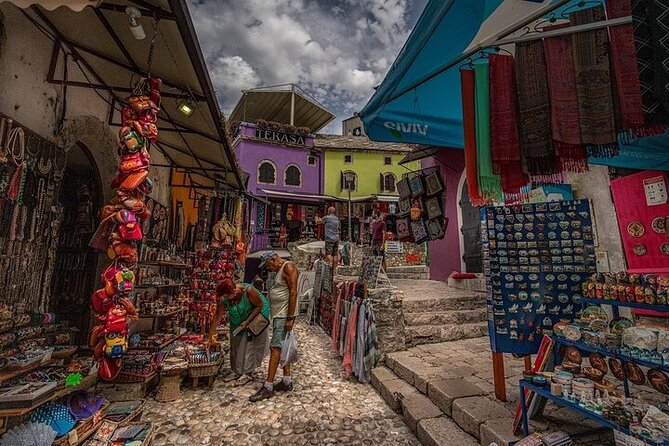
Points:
point(337, 50)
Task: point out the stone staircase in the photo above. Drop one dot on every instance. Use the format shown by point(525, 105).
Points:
point(441, 399)
point(409, 272)
point(436, 312)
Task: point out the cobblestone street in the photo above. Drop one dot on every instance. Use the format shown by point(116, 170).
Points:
point(326, 407)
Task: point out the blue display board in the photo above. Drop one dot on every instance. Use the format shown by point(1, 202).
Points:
point(536, 256)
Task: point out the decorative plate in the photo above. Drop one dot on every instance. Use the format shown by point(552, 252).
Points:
point(636, 229)
point(640, 249)
point(572, 354)
point(597, 361)
point(665, 249)
point(616, 368)
point(659, 225)
point(620, 324)
point(634, 373)
point(659, 380)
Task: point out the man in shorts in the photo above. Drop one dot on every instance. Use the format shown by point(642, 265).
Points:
point(332, 225)
point(283, 309)
point(379, 237)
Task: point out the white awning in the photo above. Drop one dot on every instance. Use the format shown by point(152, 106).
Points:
point(296, 196)
point(74, 5)
point(386, 198)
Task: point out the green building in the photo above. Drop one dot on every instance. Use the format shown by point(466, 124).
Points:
point(375, 167)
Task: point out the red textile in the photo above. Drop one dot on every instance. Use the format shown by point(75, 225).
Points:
point(350, 340)
point(504, 139)
point(630, 204)
point(336, 320)
point(565, 126)
point(469, 124)
point(623, 58)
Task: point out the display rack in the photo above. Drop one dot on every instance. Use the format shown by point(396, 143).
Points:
point(604, 422)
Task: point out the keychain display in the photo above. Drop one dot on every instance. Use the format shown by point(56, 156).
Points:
point(536, 257)
point(120, 229)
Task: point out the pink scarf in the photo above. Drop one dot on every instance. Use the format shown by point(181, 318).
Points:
point(350, 341)
point(336, 320)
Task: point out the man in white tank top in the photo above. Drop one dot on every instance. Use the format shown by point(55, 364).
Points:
point(283, 308)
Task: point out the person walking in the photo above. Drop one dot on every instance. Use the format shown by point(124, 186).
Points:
point(283, 309)
point(332, 226)
point(379, 237)
point(346, 253)
point(244, 303)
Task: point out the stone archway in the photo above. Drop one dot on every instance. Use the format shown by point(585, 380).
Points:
point(100, 139)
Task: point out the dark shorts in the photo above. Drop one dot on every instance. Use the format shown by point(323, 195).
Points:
point(378, 251)
point(331, 248)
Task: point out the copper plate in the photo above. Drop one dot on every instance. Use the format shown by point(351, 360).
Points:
point(659, 225)
point(640, 250)
point(572, 354)
point(597, 361)
point(634, 373)
point(635, 229)
point(659, 380)
point(665, 249)
point(616, 368)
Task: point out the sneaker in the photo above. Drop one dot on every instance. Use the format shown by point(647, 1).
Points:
point(243, 380)
point(283, 387)
point(262, 394)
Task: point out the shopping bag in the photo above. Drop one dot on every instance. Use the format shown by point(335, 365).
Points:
point(289, 350)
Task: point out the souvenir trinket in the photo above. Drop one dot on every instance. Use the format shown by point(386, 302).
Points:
point(635, 229)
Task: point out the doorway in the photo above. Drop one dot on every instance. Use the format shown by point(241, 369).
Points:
point(75, 274)
point(471, 234)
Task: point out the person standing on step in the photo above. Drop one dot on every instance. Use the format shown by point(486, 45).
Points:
point(332, 225)
point(379, 237)
point(283, 309)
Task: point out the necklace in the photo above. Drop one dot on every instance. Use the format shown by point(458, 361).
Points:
point(17, 134)
point(58, 170)
point(44, 165)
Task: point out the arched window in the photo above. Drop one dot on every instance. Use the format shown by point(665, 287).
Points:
point(266, 172)
point(388, 181)
point(293, 176)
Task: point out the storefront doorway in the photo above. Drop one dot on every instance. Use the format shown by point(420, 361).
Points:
point(75, 273)
point(471, 235)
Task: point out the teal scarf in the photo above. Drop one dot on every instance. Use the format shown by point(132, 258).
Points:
point(489, 183)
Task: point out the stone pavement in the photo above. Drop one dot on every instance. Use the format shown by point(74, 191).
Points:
point(445, 392)
point(326, 407)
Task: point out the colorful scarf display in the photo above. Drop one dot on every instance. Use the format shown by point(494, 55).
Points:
point(469, 125)
point(536, 146)
point(489, 183)
point(653, 109)
point(504, 138)
point(593, 83)
point(659, 13)
point(565, 122)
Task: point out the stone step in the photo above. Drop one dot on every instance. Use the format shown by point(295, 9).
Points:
point(477, 284)
point(430, 334)
point(408, 276)
point(455, 317)
point(417, 303)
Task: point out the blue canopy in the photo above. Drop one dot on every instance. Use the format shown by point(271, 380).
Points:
point(419, 101)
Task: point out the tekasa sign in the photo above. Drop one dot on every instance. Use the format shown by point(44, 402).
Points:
point(287, 138)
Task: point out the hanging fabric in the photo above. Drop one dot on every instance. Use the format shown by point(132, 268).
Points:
point(565, 123)
point(534, 122)
point(593, 83)
point(469, 126)
point(504, 139)
point(489, 183)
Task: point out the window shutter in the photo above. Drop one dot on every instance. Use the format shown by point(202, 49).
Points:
point(341, 177)
point(382, 181)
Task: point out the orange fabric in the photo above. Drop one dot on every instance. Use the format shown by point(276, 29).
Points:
point(469, 124)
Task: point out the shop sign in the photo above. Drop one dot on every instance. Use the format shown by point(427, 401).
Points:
point(394, 247)
point(287, 138)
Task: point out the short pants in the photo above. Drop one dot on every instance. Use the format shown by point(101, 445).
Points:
point(278, 332)
point(331, 248)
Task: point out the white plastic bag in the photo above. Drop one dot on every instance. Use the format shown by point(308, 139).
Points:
point(289, 350)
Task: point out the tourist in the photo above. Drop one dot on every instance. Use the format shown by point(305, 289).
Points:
point(244, 303)
point(331, 223)
point(283, 306)
point(346, 253)
point(379, 237)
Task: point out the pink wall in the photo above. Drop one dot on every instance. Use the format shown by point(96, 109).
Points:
point(445, 255)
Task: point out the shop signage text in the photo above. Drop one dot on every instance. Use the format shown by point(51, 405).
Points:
point(280, 136)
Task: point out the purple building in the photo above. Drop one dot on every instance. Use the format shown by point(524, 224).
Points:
point(286, 171)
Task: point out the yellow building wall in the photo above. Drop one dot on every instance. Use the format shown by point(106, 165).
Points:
point(184, 195)
point(367, 165)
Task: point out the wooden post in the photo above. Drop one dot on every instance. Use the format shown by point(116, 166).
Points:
point(499, 377)
point(528, 362)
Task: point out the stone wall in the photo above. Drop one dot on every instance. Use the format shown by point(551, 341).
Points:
point(387, 304)
point(301, 258)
